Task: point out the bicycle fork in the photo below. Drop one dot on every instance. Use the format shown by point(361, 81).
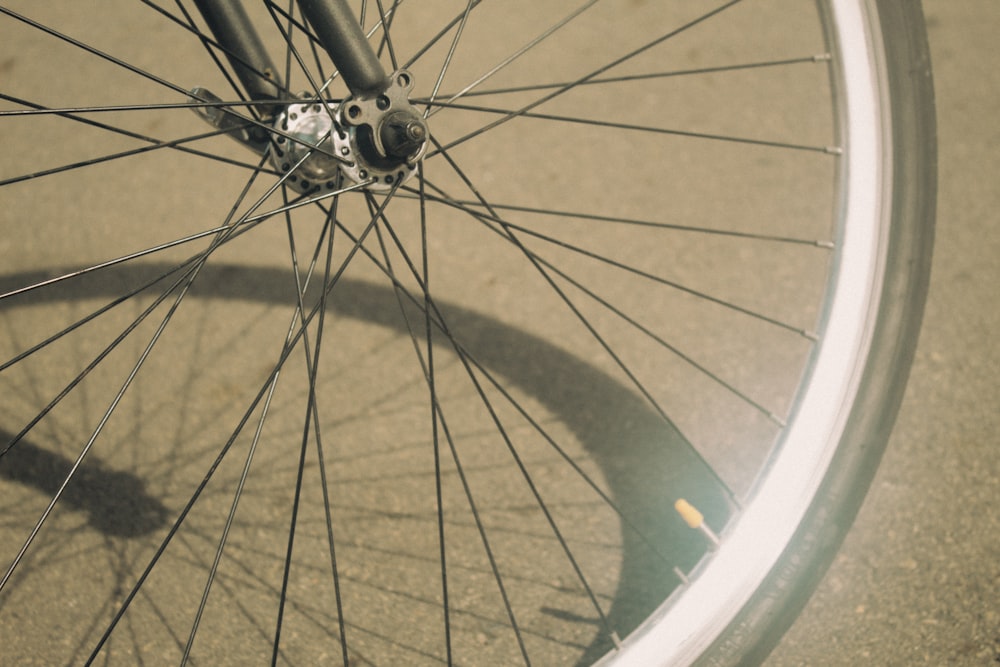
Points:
point(373, 138)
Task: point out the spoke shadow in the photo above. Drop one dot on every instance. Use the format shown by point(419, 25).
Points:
point(646, 463)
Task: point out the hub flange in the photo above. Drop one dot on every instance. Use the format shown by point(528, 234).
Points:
point(377, 141)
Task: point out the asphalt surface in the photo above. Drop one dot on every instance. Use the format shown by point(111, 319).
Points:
point(918, 579)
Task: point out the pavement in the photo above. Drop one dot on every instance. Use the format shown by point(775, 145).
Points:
point(916, 583)
point(918, 579)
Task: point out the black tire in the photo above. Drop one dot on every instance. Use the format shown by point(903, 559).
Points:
point(659, 254)
point(910, 93)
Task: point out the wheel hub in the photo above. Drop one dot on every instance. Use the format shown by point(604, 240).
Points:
point(377, 141)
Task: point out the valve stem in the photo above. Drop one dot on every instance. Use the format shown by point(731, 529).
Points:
point(695, 519)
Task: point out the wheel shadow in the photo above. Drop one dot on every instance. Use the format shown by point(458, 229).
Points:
point(646, 463)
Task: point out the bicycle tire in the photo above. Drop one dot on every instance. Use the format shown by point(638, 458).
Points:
point(908, 97)
point(530, 362)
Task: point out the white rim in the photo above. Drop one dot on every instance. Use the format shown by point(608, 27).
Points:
point(683, 628)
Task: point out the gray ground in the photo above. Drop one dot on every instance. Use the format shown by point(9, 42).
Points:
point(918, 579)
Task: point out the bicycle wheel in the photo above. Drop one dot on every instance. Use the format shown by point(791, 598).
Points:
point(600, 379)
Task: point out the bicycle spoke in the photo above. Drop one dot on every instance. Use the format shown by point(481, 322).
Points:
point(192, 265)
point(39, 110)
point(94, 51)
point(303, 201)
point(437, 323)
point(614, 63)
point(287, 33)
point(184, 283)
point(542, 505)
point(156, 79)
point(510, 115)
point(419, 53)
point(253, 583)
point(285, 353)
point(625, 78)
point(293, 22)
point(435, 436)
point(292, 52)
point(437, 412)
point(277, 13)
point(210, 44)
point(93, 437)
point(224, 535)
point(506, 224)
point(72, 113)
point(438, 415)
point(605, 124)
point(293, 525)
point(569, 460)
point(186, 264)
point(363, 14)
point(502, 430)
point(658, 224)
point(767, 412)
point(89, 368)
point(251, 580)
point(583, 319)
point(185, 511)
point(498, 578)
point(314, 41)
point(628, 311)
point(428, 371)
point(386, 37)
point(113, 262)
point(300, 309)
point(451, 53)
point(176, 143)
point(506, 61)
point(426, 305)
point(228, 232)
point(312, 413)
point(324, 485)
point(112, 59)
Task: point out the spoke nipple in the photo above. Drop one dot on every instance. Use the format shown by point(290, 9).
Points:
point(616, 640)
point(695, 519)
point(834, 150)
